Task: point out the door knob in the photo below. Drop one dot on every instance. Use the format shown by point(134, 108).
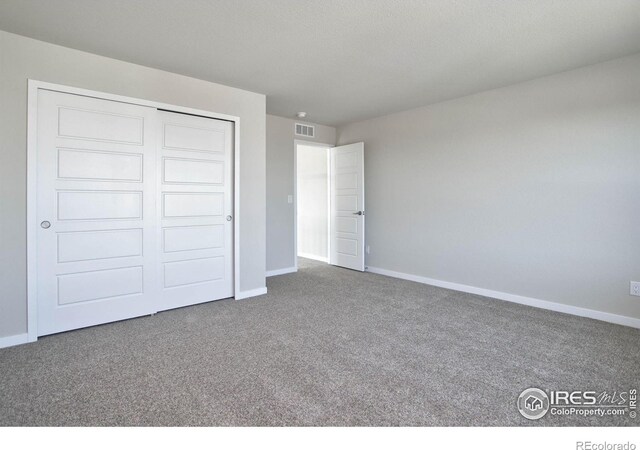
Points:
point(45, 224)
point(229, 218)
point(359, 213)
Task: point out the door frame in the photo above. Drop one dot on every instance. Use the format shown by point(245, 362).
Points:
point(297, 142)
point(34, 86)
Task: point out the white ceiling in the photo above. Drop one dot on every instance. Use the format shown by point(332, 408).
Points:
point(341, 60)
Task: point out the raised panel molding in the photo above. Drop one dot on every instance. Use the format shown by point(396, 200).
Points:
point(347, 246)
point(79, 164)
point(100, 126)
point(100, 244)
point(346, 203)
point(345, 160)
point(182, 204)
point(99, 205)
point(182, 137)
point(347, 181)
point(99, 285)
point(346, 225)
point(182, 273)
point(192, 171)
point(199, 237)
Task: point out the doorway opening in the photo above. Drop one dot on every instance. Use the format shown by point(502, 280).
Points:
point(312, 201)
point(329, 205)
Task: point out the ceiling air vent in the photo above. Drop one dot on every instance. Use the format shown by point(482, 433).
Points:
point(304, 130)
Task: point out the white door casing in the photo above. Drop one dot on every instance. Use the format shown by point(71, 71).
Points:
point(131, 206)
point(195, 212)
point(347, 206)
point(95, 211)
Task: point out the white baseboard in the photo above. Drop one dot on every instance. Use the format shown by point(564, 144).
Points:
point(273, 273)
point(17, 339)
point(251, 293)
point(314, 257)
point(529, 301)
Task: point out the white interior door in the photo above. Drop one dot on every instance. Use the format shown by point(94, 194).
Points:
point(347, 206)
point(195, 213)
point(96, 251)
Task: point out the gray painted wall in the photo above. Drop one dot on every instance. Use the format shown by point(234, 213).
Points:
point(532, 189)
point(313, 200)
point(280, 184)
point(22, 58)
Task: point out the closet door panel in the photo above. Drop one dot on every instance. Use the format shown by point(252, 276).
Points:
point(195, 191)
point(97, 225)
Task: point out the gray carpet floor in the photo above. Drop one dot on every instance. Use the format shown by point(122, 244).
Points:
point(326, 346)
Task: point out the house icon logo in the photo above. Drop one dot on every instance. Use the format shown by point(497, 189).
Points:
point(533, 403)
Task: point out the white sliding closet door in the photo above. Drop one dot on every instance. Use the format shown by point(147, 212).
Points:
point(195, 199)
point(96, 176)
point(134, 211)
